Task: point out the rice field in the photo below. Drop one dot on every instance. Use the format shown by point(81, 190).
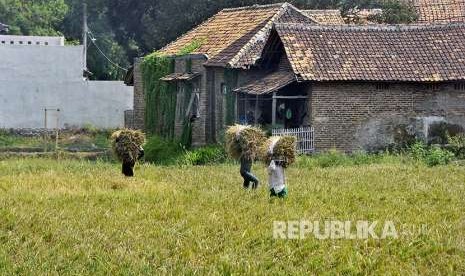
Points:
point(83, 218)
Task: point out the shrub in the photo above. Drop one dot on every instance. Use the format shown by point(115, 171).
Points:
point(457, 145)
point(431, 156)
point(334, 158)
point(324, 160)
point(438, 156)
point(419, 150)
point(90, 129)
point(162, 152)
point(203, 156)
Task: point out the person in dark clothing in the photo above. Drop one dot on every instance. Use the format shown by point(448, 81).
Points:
point(246, 168)
point(128, 167)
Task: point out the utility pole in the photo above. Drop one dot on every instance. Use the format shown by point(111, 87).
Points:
point(85, 30)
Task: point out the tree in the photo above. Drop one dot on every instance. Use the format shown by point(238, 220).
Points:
point(106, 56)
point(39, 17)
point(392, 11)
point(396, 12)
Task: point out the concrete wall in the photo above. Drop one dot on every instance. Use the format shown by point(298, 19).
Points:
point(362, 116)
point(35, 78)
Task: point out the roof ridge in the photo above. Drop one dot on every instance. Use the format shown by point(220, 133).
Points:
point(266, 29)
point(206, 21)
point(376, 27)
point(320, 10)
point(255, 6)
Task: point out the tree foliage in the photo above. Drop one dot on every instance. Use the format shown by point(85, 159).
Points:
point(38, 17)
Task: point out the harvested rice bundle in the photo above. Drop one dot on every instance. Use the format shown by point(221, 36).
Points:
point(281, 148)
point(244, 141)
point(127, 145)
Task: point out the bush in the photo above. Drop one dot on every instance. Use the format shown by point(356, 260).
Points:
point(162, 152)
point(457, 145)
point(330, 159)
point(203, 156)
point(419, 151)
point(438, 156)
point(431, 156)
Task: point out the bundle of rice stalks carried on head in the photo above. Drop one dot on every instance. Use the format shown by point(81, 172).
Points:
point(127, 144)
point(279, 148)
point(244, 141)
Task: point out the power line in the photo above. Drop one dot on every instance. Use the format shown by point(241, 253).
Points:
point(92, 40)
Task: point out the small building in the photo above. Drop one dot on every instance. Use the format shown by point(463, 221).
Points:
point(362, 87)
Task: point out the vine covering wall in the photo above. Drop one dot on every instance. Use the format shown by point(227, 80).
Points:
point(160, 96)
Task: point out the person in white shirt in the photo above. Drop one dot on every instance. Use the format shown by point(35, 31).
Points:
point(277, 179)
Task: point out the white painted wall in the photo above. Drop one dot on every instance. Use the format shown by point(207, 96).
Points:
point(35, 78)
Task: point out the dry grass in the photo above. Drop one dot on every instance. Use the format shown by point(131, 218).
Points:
point(284, 149)
point(75, 217)
point(126, 144)
point(244, 141)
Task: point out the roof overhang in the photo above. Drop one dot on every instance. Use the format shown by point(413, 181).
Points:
point(268, 84)
point(180, 77)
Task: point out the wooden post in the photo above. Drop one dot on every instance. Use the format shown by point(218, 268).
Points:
point(236, 106)
point(256, 110)
point(273, 111)
point(57, 130)
point(246, 107)
point(85, 30)
point(45, 131)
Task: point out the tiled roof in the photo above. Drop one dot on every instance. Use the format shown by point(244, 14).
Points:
point(268, 84)
point(325, 17)
point(440, 10)
point(375, 53)
point(235, 37)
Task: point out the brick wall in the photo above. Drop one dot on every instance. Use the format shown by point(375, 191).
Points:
point(198, 126)
point(198, 133)
point(139, 97)
point(129, 119)
point(217, 100)
point(362, 116)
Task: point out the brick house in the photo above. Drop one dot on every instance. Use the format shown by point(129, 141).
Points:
point(359, 87)
point(364, 87)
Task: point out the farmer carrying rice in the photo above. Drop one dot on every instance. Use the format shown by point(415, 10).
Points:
point(279, 153)
point(127, 146)
point(243, 143)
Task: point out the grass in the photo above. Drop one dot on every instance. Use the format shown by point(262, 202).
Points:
point(74, 217)
point(7, 140)
point(77, 140)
